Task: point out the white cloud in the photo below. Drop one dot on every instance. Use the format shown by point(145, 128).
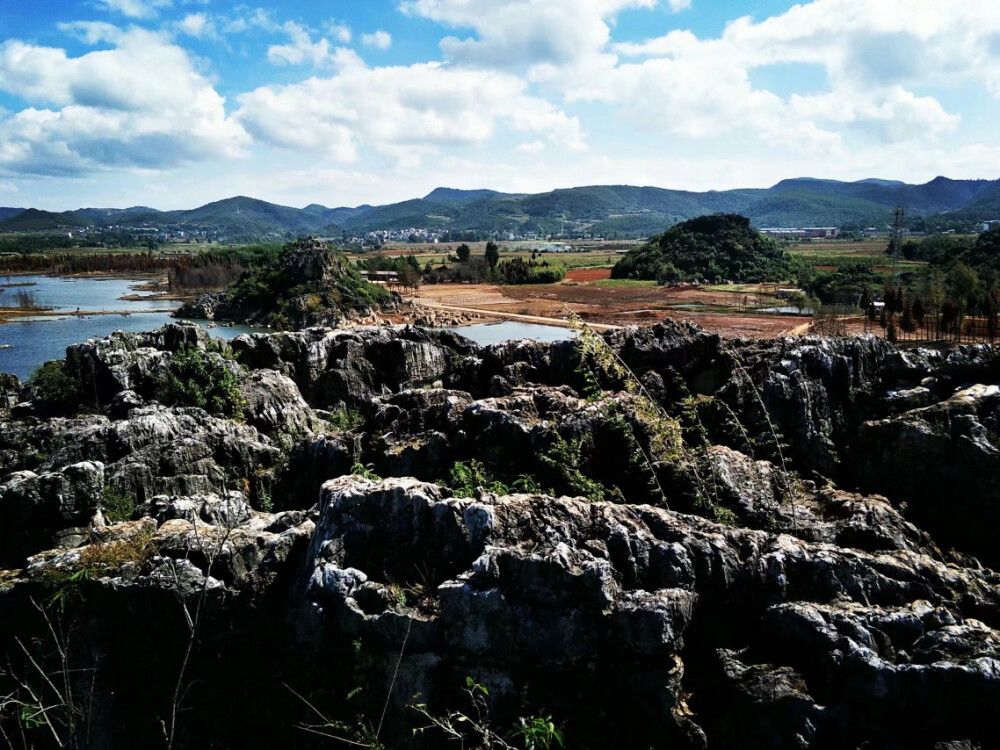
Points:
point(301, 49)
point(139, 105)
point(879, 58)
point(402, 113)
point(525, 33)
point(135, 8)
point(532, 147)
point(339, 31)
point(92, 32)
point(379, 40)
point(198, 25)
point(678, 5)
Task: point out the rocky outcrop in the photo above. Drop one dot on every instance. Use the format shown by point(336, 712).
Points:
point(740, 583)
point(308, 284)
point(943, 461)
point(615, 590)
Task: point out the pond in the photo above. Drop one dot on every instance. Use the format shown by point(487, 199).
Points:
point(33, 340)
point(485, 334)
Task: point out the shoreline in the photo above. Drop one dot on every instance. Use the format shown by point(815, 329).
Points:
point(9, 314)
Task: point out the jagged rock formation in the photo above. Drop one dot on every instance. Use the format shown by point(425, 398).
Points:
point(310, 284)
point(720, 591)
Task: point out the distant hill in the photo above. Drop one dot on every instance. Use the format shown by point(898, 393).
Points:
point(248, 216)
point(716, 247)
point(612, 211)
point(451, 195)
point(109, 216)
point(34, 220)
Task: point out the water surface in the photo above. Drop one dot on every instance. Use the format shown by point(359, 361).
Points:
point(34, 340)
point(485, 334)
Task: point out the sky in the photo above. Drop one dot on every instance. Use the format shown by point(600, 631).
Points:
point(176, 103)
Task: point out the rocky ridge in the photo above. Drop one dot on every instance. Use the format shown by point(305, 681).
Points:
point(808, 576)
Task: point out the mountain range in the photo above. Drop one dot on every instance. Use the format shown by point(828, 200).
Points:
point(609, 210)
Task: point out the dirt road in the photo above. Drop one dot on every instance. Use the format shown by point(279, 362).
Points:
point(560, 322)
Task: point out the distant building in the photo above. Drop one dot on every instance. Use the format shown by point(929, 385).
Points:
point(389, 278)
point(799, 233)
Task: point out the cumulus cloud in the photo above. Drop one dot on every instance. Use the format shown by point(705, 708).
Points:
point(301, 49)
point(339, 31)
point(379, 40)
point(524, 33)
point(135, 8)
point(400, 112)
point(142, 104)
point(879, 59)
point(198, 25)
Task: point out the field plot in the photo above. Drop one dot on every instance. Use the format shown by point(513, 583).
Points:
point(608, 302)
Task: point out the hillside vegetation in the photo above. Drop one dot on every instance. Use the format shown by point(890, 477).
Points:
point(613, 211)
point(716, 247)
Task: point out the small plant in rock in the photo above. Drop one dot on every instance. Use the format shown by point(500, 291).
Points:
point(366, 471)
point(539, 733)
point(118, 506)
point(345, 420)
point(474, 729)
point(113, 556)
point(659, 437)
point(207, 382)
point(467, 476)
point(563, 460)
point(526, 484)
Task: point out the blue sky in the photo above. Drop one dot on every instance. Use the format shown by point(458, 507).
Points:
point(174, 103)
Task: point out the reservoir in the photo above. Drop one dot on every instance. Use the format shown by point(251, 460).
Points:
point(33, 340)
point(485, 334)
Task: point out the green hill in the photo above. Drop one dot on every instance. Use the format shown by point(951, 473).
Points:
point(716, 247)
point(614, 211)
point(33, 220)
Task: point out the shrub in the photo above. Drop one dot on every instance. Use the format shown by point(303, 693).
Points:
point(204, 381)
point(55, 388)
point(118, 506)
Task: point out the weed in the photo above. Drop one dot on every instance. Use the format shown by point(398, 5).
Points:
point(563, 459)
point(466, 477)
point(345, 420)
point(118, 506)
point(365, 471)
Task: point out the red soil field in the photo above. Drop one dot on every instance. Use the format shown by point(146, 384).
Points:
point(584, 275)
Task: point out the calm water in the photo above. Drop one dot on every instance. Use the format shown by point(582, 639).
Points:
point(485, 334)
point(34, 340)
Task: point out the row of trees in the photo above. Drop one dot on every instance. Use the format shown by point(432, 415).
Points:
point(488, 268)
point(958, 306)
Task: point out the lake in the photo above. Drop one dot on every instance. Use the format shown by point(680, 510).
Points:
point(485, 334)
point(37, 339)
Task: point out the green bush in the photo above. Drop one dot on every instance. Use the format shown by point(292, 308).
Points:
point(204, 381)
point(55, 388)
point(118, 506)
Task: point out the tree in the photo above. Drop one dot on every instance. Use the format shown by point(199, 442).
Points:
point(906, 323)
point(492, 254)
point(963, 284)
point(464, 252)
point(798, 300)
point(866, 299)
point(917, 312)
